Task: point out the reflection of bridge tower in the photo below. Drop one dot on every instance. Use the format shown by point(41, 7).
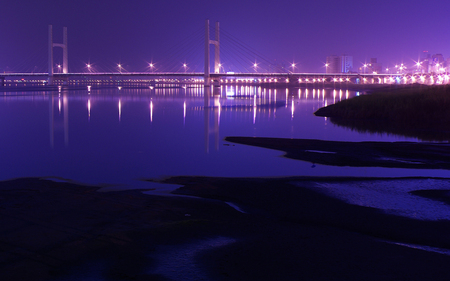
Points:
point(212, 109)
point(55, 122)
point(65, 65)
point(216, 52)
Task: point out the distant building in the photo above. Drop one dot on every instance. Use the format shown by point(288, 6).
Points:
point(339, 64)
point(437, 63)
point(372, 67)
point(375, 66)
point(346, 64)
point(333, 64)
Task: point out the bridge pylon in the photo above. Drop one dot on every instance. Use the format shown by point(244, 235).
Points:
point(65, 66)
point(216, 44)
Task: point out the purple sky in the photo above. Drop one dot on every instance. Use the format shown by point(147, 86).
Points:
point(170, 33)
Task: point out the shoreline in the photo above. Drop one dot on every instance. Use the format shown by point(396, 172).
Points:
point(54, 230)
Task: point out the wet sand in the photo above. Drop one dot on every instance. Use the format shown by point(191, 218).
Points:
point(63, 231)
point(416, 155)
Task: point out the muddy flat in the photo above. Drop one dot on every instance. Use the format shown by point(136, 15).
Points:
point(416, 155)
point(233, 229)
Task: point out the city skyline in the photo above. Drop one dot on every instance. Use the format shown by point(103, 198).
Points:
point(142, 32)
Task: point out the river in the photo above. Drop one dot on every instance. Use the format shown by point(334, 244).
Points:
point(118, 135)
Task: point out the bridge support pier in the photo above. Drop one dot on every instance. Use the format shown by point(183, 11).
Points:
point(216, 44)
point(65, 66)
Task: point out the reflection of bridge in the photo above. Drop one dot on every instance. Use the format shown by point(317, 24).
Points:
point(206, 78)
point(252, 103)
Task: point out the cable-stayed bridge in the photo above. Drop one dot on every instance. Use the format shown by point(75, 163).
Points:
point(257, 75)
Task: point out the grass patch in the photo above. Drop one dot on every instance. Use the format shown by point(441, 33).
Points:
point(422, 112)
point(425, 104)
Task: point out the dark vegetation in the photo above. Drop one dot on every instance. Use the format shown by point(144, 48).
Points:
point(420, 111)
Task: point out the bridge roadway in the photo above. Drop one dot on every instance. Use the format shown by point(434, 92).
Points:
point(220, 78)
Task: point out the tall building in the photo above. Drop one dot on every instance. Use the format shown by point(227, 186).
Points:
point(372, 67)
point(333, 64)
point(346, 64)
point(339, 64)
point(437, 63)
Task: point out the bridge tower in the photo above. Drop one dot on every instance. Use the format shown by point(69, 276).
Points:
point(65, 65)
point(216, 53)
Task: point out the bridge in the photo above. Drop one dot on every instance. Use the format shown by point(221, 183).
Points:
point(206, 78)
point(197, 78)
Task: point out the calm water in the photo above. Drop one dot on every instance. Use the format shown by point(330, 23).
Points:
point(117, 136)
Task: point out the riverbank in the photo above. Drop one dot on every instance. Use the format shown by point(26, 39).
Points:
point(57, 231)
point(420, 112)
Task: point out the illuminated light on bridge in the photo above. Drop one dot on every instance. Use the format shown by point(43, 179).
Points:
point(255, 66)
point(293, 67)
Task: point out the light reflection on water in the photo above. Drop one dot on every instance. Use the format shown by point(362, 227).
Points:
point(117, 136)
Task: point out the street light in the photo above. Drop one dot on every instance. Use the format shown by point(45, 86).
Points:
point(419, 66)
point(365, 66)
point(326, 67)
point(151, 65)
point(293, 67)
point(185, 66)
point(89, 67)
point(255, 66)
point(120, 67)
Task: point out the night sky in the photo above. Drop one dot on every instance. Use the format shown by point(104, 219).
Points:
point(170, 33)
